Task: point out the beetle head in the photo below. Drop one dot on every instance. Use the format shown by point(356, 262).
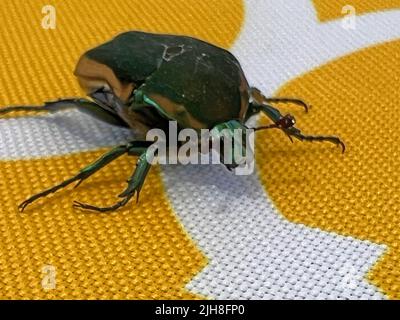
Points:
point(231, 140)
point(286, 122)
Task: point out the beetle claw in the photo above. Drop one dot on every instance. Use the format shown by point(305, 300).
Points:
point(84, 206)
point(78, 183)
point(290, 138)
point(137, 196)
point(22, 206)
point(342, 145)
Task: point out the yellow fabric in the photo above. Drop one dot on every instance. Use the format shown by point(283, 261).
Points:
point(357, 98)
point(139, 252)
point(37, 64)
point(329, 10)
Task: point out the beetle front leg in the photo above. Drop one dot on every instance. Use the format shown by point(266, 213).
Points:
point(286, 124)
point(296, 133)
point(135, 184)
point(275, 115)
point(259, 98)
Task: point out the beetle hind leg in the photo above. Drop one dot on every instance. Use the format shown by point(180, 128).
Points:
point(51, 106)
point(86, 106)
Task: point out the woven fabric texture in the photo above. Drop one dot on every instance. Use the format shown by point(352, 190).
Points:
point(309, 223)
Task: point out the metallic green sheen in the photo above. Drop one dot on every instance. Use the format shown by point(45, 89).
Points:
point(204, 78)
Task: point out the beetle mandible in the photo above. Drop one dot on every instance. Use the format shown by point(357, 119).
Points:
point(143, 80)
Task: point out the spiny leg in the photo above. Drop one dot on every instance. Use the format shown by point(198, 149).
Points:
point(135, 184)
point(297, 101)
point(259, 98)
point(82, 175)
point(294, 132)
point(275, 115)
point(286, 124)
point(58, 105)
point(86, 106)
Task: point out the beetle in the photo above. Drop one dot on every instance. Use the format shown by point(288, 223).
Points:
point(143, 80)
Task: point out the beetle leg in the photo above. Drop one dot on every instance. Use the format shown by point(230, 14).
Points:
point(82, 175)
point(107, 100)
point(135, 184)
point(274, 114)
point(297, 101)
point(296, 133)
point(83, 105)
point(286, 124)
point(257, 96)
point(51, 106)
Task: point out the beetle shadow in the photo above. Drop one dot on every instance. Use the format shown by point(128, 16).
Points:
point(210, 184)
point(81, 128)
point(203, 186)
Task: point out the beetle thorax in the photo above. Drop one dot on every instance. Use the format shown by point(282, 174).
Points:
point(93, 75)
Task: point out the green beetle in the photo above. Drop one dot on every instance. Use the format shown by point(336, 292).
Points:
point(142, 81)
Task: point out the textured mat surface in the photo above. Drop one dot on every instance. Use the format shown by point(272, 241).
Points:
point(309, 223)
